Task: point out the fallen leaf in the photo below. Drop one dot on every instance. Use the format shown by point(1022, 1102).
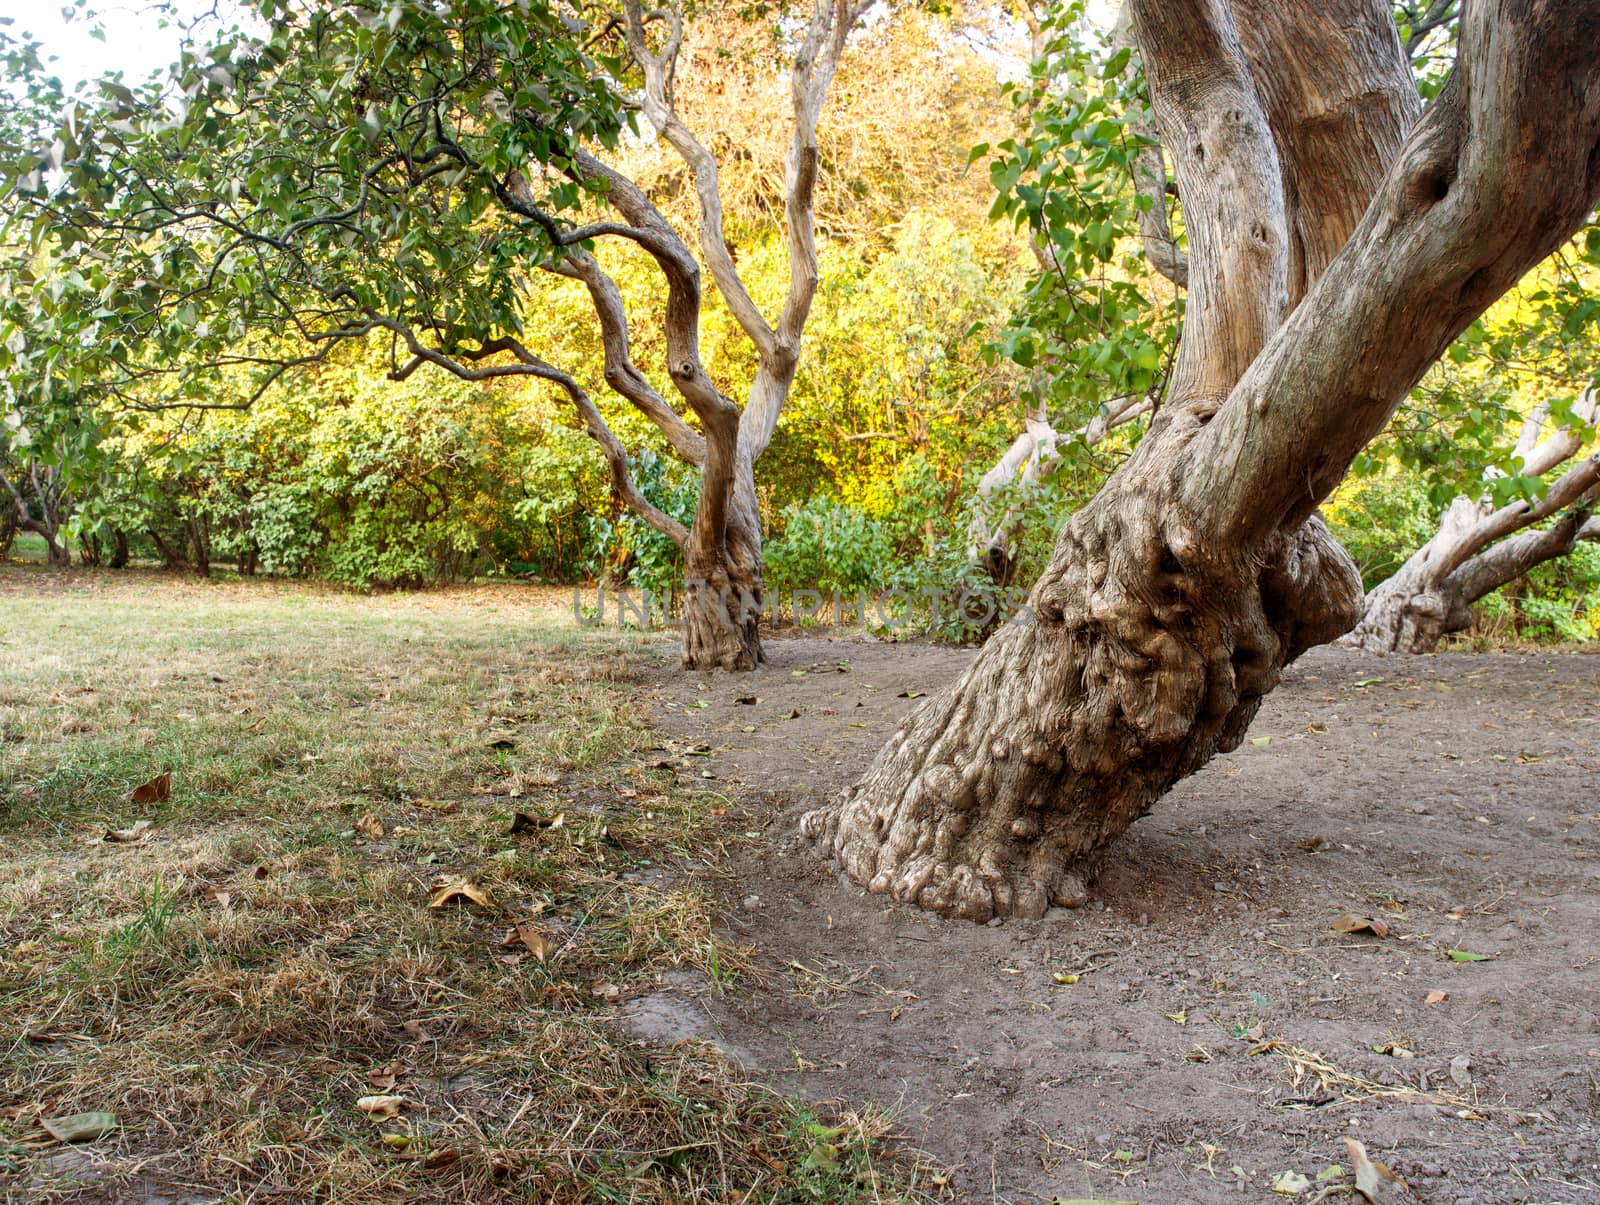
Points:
point(381, 1108)
point(1461, 1071)
point(1261, 742)
point(606, 991)
point(369, 825)
point(1370, 1176)
point(1468, 956)
point(1181, 1017)
point(524, 823)
point(1367, 681)
point(1435, 997)
point(450, 889)
point(415, 1031)
point(222, 899)
point(1065, 978)
point(911, 694)
point(824, 1156)
point(80, 1127)
point(792, 714)
point(502, 742)
point(528, 934)
point(134, 832)
point(157, 790)
point(381, 1079)
point(1312, 844)
point(1361, 924)
point(1290, 1184)
point(1394, 1050)
point(396, 1142)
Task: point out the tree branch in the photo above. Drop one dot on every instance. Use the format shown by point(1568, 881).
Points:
point(1231, 181)
point(1500, 170)
point(529, 365)
point(657, 104)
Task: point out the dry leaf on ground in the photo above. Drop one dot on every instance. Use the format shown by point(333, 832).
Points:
point(446, 890)
point(528, 934)
point(80, 1127)
point(1373, 1180)
point(381, 1108)
point(381, 1079)
point(157, 790)
point(1361, 924)
point(369, 825)
point(524, 823)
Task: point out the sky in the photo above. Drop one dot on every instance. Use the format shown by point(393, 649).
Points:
point(135, 43)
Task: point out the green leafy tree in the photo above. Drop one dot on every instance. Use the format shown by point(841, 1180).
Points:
point(402, 168)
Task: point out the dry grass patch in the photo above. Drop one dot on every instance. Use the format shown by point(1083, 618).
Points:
point(268, 954)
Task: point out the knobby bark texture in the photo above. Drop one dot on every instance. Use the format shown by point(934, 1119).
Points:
point(1174, 599)
point(1480, 547)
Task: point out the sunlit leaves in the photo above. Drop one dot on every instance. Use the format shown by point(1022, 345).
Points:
point(1090, 327)
point(299, 176)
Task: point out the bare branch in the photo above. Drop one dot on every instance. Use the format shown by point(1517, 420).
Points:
point(526, 364)
point(657, 104)
point(622, 374)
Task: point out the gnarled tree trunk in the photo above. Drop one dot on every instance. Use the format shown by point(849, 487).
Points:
point(724, 594)
point(1174, 599)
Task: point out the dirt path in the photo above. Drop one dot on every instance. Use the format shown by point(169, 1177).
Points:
point(1219, 1032)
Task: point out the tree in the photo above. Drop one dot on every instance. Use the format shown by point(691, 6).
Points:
point(1483, 544)
point(401, 169)
point(1337, 244)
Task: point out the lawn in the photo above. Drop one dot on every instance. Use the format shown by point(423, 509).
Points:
point(292, 932)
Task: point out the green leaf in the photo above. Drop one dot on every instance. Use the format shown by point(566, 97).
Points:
point(1468, 956)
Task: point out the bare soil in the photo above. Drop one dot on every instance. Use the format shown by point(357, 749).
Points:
point(1220, 1030)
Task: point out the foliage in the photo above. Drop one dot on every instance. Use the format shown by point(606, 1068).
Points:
point(371, 482)
point(338, 167)
point(826, 547)
point(1092, 326)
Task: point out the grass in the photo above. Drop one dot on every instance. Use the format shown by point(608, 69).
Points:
point(233, 983)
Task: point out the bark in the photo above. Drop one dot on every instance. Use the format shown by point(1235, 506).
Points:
point(1174, 599)
point(39, 488)
point(1477, 549)
point(120, 552)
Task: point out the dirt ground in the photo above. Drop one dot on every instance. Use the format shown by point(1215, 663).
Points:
point(1220, 1032)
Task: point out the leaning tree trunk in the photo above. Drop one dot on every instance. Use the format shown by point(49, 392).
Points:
point(1175, 598)
point(57, 555)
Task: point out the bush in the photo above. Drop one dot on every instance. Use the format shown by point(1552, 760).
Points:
point(826, 546)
